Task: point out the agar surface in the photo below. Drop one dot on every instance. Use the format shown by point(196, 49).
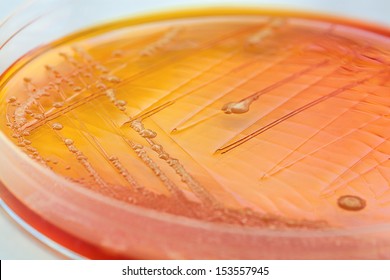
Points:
point(256, 121)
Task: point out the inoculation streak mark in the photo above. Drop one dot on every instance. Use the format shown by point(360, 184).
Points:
point(52, 115)
point(242, 106)
point(280, 120)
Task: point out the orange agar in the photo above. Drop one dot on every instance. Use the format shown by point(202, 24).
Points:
point(274, 122)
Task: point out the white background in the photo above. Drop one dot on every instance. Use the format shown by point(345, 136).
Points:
point(15, 243)
point(278, 270)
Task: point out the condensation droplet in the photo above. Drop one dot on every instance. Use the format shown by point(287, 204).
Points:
point(237, 107)
point(12, 99)
point(57, 126)
point(58, 104)
point(31, 149)
point(351, 203)
point(120, 103)
point(68, 142)
point(148, 133)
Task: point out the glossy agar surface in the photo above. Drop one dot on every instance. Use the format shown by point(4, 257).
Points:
point(258, 122)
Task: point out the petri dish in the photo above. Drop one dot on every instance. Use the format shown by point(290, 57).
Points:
point(202, 132)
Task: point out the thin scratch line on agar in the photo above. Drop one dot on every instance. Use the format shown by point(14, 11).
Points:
point(274, 169)
point(146, 71)
point(347, 170)
point(180, 127)
point(295, 95)
point(241, 141)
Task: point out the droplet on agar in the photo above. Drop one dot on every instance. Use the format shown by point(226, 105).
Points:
point(12, 99)
point(68, 142)
point(57, 126)
point(351, 203)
